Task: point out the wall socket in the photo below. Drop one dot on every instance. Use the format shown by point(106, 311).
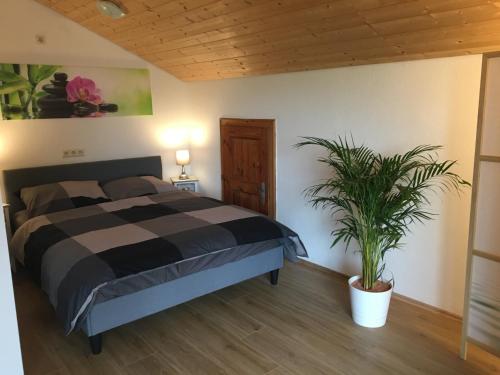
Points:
point(74, 153)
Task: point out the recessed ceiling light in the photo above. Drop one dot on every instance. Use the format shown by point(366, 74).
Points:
point(110, 9)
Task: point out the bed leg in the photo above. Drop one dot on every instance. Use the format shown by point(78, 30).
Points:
point(274, 276)
point(96, 343)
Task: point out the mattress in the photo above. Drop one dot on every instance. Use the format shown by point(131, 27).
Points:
point(91, 254)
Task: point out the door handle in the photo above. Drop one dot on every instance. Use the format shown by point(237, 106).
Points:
point(262, 193)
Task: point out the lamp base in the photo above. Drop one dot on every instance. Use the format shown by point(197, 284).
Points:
point(183, 175)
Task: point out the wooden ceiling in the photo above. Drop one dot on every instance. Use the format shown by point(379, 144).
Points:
point(214, 39)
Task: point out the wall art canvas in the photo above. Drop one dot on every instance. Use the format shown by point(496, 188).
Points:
point(31, 91)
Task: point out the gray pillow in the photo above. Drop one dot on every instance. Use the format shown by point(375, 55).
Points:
point(129, 187)
point(20, 217)
point(64, 195)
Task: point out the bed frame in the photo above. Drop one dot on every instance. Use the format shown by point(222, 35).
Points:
point(121, 310)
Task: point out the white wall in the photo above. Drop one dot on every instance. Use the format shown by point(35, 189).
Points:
point(390, 107)
point(10, 351)
point(40, 142)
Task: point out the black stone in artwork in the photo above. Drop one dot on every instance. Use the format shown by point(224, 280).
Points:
point(55, 104)
point(84, 109)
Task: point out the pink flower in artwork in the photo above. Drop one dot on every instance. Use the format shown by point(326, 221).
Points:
point(84, 90)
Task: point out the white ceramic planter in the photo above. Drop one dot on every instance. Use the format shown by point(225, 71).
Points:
point(369, 309)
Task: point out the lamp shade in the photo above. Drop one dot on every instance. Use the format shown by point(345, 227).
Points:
point(182, 157)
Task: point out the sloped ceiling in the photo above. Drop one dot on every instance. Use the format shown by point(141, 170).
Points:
point(208, 39)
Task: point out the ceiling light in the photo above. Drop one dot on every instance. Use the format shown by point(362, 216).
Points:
point(110, 9)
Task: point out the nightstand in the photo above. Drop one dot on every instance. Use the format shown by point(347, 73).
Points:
point(189, 184)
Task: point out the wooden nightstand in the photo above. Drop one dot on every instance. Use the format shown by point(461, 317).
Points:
point(190, 184)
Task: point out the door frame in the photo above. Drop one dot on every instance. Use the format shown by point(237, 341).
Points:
point(270, 126)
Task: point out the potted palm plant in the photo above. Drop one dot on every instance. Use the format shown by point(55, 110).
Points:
point(376, 199)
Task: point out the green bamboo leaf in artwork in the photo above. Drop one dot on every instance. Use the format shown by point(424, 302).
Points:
point(33, 73)
point(12, 87)
point(40, 94)
point(7, 67)
point(8, 77)
point(11, 109)
point(38, 73)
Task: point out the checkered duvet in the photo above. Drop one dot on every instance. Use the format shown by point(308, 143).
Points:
point(90, 254)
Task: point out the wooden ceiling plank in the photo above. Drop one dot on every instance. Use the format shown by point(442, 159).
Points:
point(202, 76)
point(467, 15)
point(274, 7)
point(139, 13)
point(203, 11)
point(342, 47)
point(302, 63)
point(475, 28)
point(437, 19)
point(269, 9)
point(147, 19)
point(389, 13)
point(402, 25)
point(447, 5)
point(231, 43)
point(418, 8)
point(454, 40)
point(313, 50)
point(372, 4)
point(164, 38)
point(430, 34)
point(453, 44)
point(260, 47)
point(218, 9)
point(316, 16)
point(274, 42)
point(216, 39)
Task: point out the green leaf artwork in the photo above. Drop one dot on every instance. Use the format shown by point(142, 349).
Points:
point(38, 73)
point(14, 86)
point(34, 91)
point(7, 77)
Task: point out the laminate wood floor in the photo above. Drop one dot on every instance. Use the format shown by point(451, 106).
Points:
point(301, 326)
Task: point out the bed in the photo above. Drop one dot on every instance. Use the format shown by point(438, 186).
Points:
point(168, 248)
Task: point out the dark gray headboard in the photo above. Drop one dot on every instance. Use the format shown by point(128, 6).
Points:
point(15, 179)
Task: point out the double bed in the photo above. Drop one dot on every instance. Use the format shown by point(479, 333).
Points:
point(110, 263)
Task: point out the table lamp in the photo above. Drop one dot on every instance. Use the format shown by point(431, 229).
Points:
point(182, 158)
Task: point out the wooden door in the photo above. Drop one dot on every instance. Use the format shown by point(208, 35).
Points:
point(247, 158)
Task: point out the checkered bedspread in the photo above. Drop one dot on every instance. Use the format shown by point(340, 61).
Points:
point(76, 253)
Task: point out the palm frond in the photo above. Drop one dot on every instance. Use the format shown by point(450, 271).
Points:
point(376, 199)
